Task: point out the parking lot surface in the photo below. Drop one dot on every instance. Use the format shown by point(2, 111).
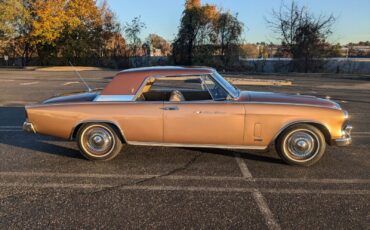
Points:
point(45, 182)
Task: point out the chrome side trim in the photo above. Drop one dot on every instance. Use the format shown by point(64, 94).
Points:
point(245, 102)
point(111, 98)
point(197, 145)
point(287, 103)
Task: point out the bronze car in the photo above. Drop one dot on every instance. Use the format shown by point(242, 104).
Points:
point(190, 107)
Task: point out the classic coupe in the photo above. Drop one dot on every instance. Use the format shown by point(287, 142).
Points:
point(190, 107)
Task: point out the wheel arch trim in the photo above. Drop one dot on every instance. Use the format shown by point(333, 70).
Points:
point(114, 125)
point(322, 127)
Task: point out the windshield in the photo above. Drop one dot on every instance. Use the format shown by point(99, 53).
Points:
point(227, 85)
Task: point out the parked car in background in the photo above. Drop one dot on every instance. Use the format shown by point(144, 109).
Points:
point(190, 107)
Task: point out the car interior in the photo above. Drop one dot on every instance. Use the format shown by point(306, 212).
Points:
point(175, 89)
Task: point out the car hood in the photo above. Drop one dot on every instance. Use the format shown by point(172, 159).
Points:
point(76, 97)
point(269, 97)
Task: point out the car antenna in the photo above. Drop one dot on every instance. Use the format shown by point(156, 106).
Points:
point(79, 75)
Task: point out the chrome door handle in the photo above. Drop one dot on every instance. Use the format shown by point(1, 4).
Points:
point(170, 108)
point(198, 112)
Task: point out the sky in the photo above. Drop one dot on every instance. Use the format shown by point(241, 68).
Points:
point(162, 17)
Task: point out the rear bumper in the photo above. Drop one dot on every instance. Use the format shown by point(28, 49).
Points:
point(28, 127)
point(346, 138)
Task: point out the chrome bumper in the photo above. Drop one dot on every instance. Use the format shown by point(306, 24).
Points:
point(346, 138)
point(28, 127)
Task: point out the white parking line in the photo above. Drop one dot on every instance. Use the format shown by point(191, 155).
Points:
point(10, 130)
point(29, 83)
point(190, 189)
point(243, 167)
point(361, 133)
point(71, 82)
point(187, 177)
point(257, 195)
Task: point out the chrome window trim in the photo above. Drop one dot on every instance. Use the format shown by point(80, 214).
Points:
point(143, 84)
point(225, 88)
point(120, 98)
point(209, 91)
point(141, 88)
point(215, 82)
point(113, 98)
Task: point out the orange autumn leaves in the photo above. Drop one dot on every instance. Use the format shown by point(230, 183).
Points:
point(53, 18)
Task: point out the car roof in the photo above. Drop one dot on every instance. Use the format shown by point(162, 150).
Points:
point(128, 82)
point(165, 70)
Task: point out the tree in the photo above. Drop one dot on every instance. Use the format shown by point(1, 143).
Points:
point(195, 30)
point(76, 30)
point(302, 34)
point(228, 30)
point(207, 36)
point(82, 35)
point(113, 42)
point(249, 50)
point(132, 31)
point(160, 43)
point(10, 18)
point(49, 20)
point(15, 24)
point(48, 23)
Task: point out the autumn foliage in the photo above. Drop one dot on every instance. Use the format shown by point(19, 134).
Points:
point(207, 36)
point(58, 31)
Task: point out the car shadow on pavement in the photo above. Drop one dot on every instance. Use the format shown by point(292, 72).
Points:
point(11, 119)
point(254, 156)
point(39, 143)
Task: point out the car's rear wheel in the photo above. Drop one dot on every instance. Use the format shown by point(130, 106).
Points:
point(301, 144)
point(98, 141)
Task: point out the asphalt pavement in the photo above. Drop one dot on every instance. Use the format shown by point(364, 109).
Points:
point(46, 183)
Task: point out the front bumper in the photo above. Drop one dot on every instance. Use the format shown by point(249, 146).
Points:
point(28, 127)
point(346, 138)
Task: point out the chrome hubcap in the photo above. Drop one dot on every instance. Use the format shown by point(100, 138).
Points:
point(98, 140)
point(302, 144)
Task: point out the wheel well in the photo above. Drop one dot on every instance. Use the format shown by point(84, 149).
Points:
point(324, 130)
point(321, 127)
point(112, 125)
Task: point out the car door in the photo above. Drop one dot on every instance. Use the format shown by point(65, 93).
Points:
point(204, 123)
point(213, 121)
point(141, 121)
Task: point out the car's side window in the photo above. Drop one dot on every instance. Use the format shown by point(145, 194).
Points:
point(217, 92)
point(176, 89)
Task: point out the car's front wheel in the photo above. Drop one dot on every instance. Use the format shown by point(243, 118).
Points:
point(301, 144)
point(98, 141)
